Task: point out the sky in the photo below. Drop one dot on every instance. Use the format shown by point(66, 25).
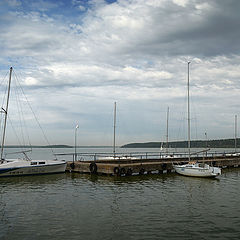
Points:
point(75, 58)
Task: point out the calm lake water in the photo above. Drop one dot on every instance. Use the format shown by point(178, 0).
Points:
point(75, 206)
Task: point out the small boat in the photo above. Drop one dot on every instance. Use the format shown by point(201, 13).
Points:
point(22, 167)
point(25, 166)
point(195, 169)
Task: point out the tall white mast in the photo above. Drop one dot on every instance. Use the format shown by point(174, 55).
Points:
point(114, 130)
point(6, 112)
point(235, 133)
point(167, 130)
point(189, 146)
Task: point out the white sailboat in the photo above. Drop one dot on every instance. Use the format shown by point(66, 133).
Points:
point(25, 166)
point(195, 169)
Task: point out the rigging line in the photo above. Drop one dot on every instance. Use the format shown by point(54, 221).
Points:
point(1, 118)
point(19, 114)
point(3, 99)
point(21, 117)
point(195, 122)
point(44, 135)
point(25, 126)
point(4, 78)
point(181, 126)
point(15, 133)
point(6, 87)
point(1, 122)
point(5, 95)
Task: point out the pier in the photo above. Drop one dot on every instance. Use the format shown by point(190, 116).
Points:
point(144, 163)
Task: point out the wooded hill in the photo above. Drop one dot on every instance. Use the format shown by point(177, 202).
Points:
point(220, 143)
point(47, 146)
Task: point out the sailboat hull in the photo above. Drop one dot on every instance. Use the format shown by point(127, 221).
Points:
point(22, 167)
point(195, 170)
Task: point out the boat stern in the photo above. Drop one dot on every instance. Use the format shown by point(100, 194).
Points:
point(217, 171)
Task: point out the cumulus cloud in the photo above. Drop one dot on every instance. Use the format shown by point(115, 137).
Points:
point(134, 52)
point(13, 3)
point(78, 4)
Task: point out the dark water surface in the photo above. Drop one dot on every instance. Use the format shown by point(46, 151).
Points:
point(74, 206)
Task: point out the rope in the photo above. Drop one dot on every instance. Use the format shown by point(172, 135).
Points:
point(21, 118)
point(35, 117)
point(15, 133)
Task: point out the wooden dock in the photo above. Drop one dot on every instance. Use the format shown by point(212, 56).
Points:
point(132, 166)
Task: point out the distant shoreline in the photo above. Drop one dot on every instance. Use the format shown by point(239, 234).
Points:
point(220, 143)
point(55, 146)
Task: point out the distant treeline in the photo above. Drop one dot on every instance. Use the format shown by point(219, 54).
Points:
point(54, 146)
point(221, 143)
point(47, 146)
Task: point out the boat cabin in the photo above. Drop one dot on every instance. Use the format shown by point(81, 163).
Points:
point(37, 163)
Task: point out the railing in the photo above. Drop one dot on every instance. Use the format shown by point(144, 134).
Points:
point(144, 155)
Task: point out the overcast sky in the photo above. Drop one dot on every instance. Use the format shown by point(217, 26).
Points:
point(74, 59)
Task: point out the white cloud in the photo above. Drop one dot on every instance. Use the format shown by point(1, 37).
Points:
point(134, 52)
point(31, 81)
point(181, 3)
point(79, 5)
point(13, 3)
point(203, 6)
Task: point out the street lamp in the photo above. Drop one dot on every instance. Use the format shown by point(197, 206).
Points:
point(75, 146)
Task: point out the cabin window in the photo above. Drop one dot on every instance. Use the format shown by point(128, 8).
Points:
point(41, 163)
point(33, 163)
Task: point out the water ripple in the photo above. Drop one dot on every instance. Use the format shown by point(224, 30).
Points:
point(73, 206)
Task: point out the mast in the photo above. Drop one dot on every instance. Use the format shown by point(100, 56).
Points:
point(188, 108)
point(75, 143)
point(6, 112)
point(235, 133)
point(114, 130)
point(167, 130)
point(206, 143)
